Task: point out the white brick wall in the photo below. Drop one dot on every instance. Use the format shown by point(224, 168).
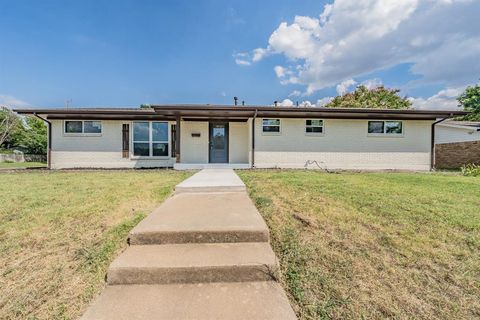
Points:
point(345, 144)
point(100, 151)
point(238, 142)
point(194, 149)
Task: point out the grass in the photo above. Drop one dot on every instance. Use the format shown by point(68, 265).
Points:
point(15, 165)
point(374, 245)
point(60, 230)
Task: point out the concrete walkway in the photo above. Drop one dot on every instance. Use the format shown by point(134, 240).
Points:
point(203, 254)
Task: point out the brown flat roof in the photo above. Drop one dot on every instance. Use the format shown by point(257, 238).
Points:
point(207, 111)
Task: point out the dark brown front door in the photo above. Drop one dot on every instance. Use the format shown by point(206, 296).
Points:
point(218, 141)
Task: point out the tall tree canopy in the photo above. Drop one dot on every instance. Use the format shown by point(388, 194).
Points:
point(376, 98)
point(9, 124)
point(470, 100)
point(27, 134)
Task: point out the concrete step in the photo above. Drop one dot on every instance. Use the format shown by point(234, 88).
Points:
point(212, 180)
point(193, 263)
point(227, 301)
point(202, 218)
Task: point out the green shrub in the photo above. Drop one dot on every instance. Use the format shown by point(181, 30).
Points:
point(471, 170)
point(8, 161)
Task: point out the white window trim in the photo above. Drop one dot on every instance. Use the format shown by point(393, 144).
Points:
point(315, 134)
point(81, 134)
point(384, 134)
point(269, 133)
point(150, 142)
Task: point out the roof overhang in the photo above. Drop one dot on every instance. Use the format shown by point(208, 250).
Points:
point(96, 113)
point(213, 112)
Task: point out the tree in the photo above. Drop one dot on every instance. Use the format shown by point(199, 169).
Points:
point(9, 123)
point(28, 134)
point(376, 98)
point(470, 100)
point(34, 136)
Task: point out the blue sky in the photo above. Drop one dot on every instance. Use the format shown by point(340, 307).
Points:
point(125, 53)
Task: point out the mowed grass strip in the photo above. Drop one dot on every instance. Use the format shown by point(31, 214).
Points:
point(16, 165)
point(60, 230)
point(374, 245)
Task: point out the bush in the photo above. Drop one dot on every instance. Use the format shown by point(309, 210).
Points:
point(471, 170)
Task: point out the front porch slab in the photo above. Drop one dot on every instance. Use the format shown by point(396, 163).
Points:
point(200, 166)
point(212, 180)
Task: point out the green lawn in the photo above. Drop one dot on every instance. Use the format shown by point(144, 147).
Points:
point(15, 165)
point(374, 245)
point(60, 230)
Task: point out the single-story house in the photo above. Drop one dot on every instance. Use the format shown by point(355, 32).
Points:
point(457, 131)
point(197, 136)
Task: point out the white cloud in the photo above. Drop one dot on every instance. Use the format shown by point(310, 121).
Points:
point(343, 86)
point(13, 102)
point(306, 104)
point(242, 62)
point(259, 54)
point(323, 101)
point(279, 71)
point(247, 58)
point(295, 93)
point(242, 59)
point(286, 103)
point(352, 38)
point(444, 100)
point(372, 83)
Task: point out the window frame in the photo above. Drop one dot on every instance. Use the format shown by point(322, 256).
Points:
point(312, 126)
point(272, 133)
point(82, 133)
point(385, 133)
point(150, 141)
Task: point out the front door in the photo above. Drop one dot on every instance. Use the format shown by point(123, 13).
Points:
point(218, 140)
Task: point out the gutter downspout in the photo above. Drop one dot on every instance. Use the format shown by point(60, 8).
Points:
point(432, 149)
point(253, 138)
point(49, 143)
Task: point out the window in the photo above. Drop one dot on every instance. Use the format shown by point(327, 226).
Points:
point(141, 139)
point(393, 127)
point(150, 139)
point(73, 127)
point(92, 127)
point(160, 139)
point(78, 126)
point(271, 125)
point(385, 127)
point(314, 126)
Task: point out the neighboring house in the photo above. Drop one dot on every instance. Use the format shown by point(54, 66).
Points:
point(196, 136)
point(457, 131)
point(457, 144)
